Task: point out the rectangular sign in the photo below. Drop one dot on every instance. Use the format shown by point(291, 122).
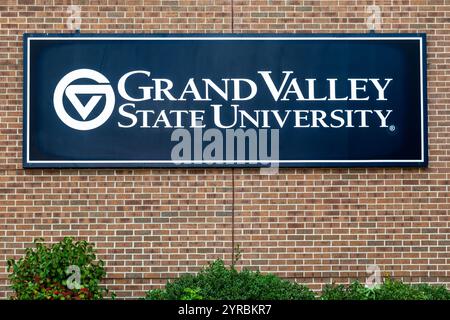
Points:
point(224, 100)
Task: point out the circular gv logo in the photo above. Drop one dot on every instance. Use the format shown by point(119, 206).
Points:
point(96, 91)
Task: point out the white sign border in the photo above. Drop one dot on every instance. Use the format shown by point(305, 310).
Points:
point(155, 38)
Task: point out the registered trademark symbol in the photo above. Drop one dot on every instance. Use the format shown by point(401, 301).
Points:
point(392, 128)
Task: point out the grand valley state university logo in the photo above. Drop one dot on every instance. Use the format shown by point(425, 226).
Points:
point(289, 94)
point(102, 88)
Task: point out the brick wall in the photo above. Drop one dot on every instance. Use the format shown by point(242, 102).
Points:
point(309, 225)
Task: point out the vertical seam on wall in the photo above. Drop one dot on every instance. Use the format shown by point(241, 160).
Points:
point(232, 169)
point(232, 216)
point(232, 16)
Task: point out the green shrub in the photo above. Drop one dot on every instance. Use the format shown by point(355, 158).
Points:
point(354, 291)
point(389, 290)
point(44, 272)
point(192, 294)
point(397, 290)
point(434, 292)
point(217, 282)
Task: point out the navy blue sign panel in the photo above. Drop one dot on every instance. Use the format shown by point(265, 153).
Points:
point(224, 100)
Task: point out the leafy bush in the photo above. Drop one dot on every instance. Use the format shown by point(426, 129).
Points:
point(217, 282)
point(354, 291)
point(397, 290)
point(389, 290)
point(44, 272)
